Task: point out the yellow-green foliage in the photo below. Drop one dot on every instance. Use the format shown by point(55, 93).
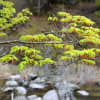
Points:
point(97, 51)
point(52, 19)
point(68, 47)
point(86, 55)
point(25, 56)
point(7, 15)
point(40, 38)
point(82, 29)
point(88, 61)
point(65, 58)
point(7, 10)
point(80, 26)
point(63, 14)
point(9, 58)
point(2, 34)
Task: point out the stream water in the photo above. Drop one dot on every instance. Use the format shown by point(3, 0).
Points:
point(70, 74)
point(94, 93)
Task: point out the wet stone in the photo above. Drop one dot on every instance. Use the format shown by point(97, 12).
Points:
point(11, 83)
point(20, 98)
point(23, 82)
point(21, 91)
point(51, 95)
point(38, 98)
point(32, 97)
point(82, 92)
point(65, 90)
point(15, 77)
point(8, 89)
point(39, 80)
point(37, 86)
point(32, 76)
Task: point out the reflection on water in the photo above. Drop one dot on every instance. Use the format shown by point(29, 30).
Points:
point(93, 90)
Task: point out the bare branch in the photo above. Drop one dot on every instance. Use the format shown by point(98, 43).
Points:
point(15, 42)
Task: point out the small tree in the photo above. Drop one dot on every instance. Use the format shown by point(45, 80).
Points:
point(22, 55)
point(76, 40)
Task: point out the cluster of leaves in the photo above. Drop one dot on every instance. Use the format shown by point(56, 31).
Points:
point(79, 27)
point(2, 34)
point(7, 15)
point(21, 55)
point(82, 28)
point(24, 55)
point(86, 55)
point(43, 38)
point(40, 38)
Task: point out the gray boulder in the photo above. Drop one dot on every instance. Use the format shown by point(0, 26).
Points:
point(21, 91)
point(51, 95)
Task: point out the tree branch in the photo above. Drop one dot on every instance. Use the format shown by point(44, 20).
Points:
point(14, 42)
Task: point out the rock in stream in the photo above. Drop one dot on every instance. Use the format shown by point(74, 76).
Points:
point(60, 90)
